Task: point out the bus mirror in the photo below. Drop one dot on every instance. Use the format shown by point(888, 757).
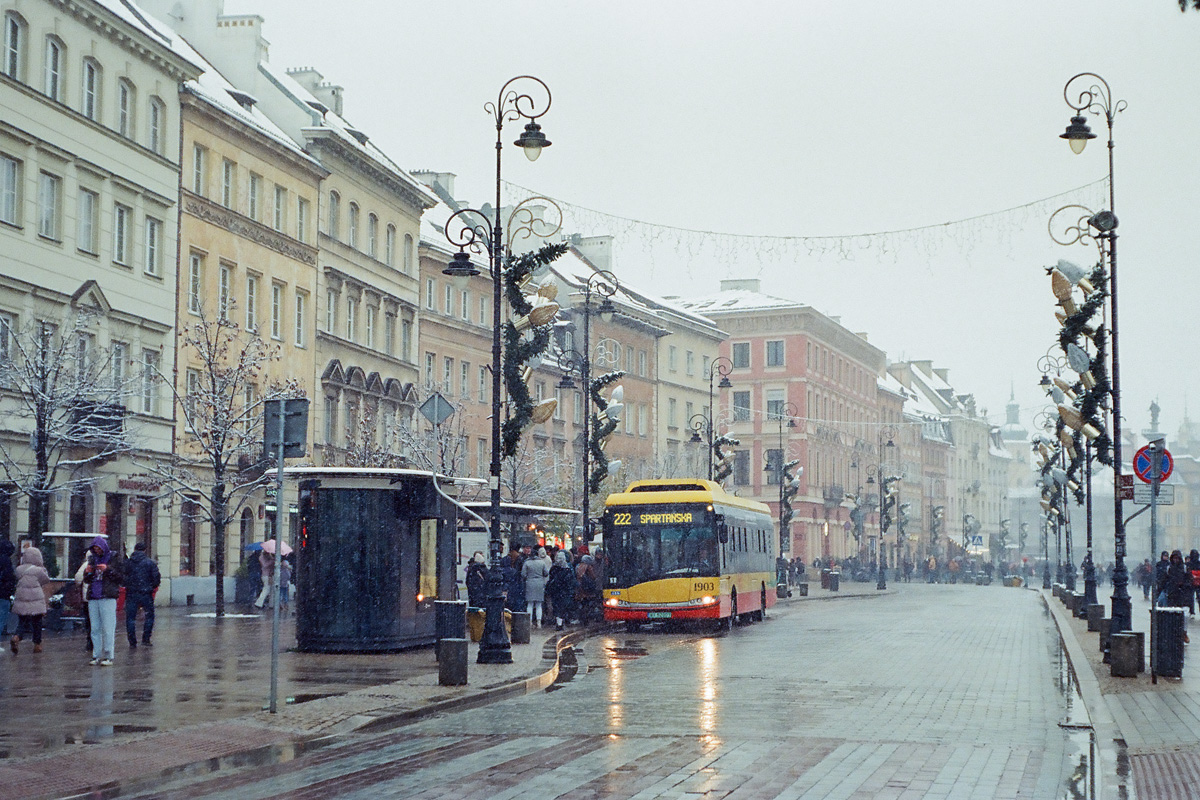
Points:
point(722, 531)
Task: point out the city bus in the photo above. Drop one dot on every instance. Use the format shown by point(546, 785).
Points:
point(686, 550)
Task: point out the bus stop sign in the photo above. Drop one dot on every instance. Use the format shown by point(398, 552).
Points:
point(1143, 464)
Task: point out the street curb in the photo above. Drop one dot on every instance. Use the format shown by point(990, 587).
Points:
point(291, 745)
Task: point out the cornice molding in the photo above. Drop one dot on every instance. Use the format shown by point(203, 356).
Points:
point(206, 210)
point(328, 139)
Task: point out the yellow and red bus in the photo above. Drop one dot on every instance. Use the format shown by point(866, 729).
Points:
point(686, 550)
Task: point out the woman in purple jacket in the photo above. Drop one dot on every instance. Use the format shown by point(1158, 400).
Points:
point(101, 586)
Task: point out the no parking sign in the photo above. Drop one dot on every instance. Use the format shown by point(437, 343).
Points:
point(1143, 463)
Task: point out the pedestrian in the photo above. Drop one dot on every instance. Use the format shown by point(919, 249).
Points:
point(514, 580)
point(285, 578)
point(266, 563)
point(1160, 578)
point(1144, 571)
point(8, 583)
point(102, 578)
point(1178, 584)
point(534, 573)
point(1193, 566)
point(477, 573)
point(587, 592)
point(560, 586)
point(30, 599)
point(142, 579)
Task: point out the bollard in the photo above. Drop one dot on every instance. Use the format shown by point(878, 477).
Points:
point(520, 627)
point(190, 600)
point(825, 578)
point(1123, 655)
point(1140, 648)
point(450, 622)
point(803, 588)
point(1104, 626)
point(1080, 606)
point(1095, 613)
point(1168, 642)
point(835, 579)
point(452, 666)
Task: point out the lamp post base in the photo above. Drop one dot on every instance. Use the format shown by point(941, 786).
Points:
point(1046, 575)
point(494, 646)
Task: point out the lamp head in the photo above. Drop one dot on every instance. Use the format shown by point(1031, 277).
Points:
point(566, 382)
point(607, 309)
point(1103, 221)
point(1077, 134)
point(725, 383)
point(696, 436)
point(532, 140)
point(460, 270)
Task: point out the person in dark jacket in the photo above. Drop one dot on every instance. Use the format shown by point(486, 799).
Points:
point(1178, 582)
point(1193, 568)
point(102, 579)
point(511, 566)
point(8, 583)
point(1160, 577)
point(477, 574)
point(141, 582)
point(560, 587)
point(587, 592)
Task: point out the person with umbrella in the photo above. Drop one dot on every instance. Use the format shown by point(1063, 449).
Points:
point(266, 559)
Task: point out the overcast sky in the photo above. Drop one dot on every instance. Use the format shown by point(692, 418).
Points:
point(820, 119)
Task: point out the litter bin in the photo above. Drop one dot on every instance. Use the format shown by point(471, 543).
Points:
point(834, 579)
point(825, 578)
point(450, 621)
point(1168, 642)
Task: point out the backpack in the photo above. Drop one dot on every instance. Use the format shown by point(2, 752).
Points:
point(1196, 577)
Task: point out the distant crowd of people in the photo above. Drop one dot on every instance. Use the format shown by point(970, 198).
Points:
point(559, 584)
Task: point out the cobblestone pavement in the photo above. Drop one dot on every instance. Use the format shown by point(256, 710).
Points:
point(930, 692)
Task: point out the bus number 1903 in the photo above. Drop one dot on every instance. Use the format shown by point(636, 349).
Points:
point(704, 586)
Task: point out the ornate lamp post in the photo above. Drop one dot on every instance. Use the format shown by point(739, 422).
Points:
point(884, 482)
point(603, 284)
point(784, 411)
point(475, 229)
point(1097, 98)
point(703, 425)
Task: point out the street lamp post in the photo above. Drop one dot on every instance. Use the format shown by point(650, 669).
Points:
point(889, 433)
point(512, 105)
point(788, 411)
point(1097, 99)
point(720, 366)
point(603, 284)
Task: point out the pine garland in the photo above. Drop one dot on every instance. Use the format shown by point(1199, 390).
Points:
point(602, 427)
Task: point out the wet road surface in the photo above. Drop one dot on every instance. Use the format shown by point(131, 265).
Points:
point(932, 692)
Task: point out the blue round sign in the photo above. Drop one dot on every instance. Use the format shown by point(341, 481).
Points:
point(1142, 465)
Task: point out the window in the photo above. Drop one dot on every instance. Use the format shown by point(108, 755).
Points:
point(429, 359)
point(775, 353)
point(191, 395)
point(84, 357)
point(483, 384)
point(335, 213)
point(158, 113)
point(741, 468)
point(14, 45)
point(409, 252)
point(353, 225)
point(330, 311)
point(448, 300)
point(481, 459)
point(150, 361)
point(301, 303)
point(10, 190)
point(641, 363)
point(579, 408)
point(351, 318)
point(86, 217)
point(642, 415)
point(389, 246)
point(120, 357)
point(672, 358)
point(153, 246)
point(706, 366)
point(252, 303)
point(7, 323)
point(302, 219)
point(776, 399)
point(331, 421)
point(483, 309)
point(121, 219)
point(228, 176)
point(406, 339)
point(199, 156)
point(369, 333)
point(672, 410)
point(629, 360)
point(466, 306)
point(464, 379)
point(372, 236)
point(389, 334)
point(430, 301)
point(276, 311)
point(252, 198)
point(53, 83)
point(223, 290)
point(741, 406)
point(448, 375)
point(195, 282)
point(126, 97)
point(49, 205)
point(689, 363)
point(91, 89)
point(741, 355)
point(279, 218)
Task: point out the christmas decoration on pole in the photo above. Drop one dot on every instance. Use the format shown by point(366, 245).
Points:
point(604, 422)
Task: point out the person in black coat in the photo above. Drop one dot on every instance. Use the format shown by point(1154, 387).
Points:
point(1178, 581)
point(8, 583)
point(560, 588)
point(142, 579)
point(1193, 568)
point(477, 573)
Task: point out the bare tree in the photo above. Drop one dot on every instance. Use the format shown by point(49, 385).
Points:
point(534, 475)
point(220, 459)
point(423, 445)
point(68, 397)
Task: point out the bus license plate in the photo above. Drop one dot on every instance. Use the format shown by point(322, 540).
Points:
point(658, 615)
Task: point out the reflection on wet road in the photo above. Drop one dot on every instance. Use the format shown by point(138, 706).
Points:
point(944, 691)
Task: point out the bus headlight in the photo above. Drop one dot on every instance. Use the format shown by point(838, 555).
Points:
point(612, 602)
point(707, 600)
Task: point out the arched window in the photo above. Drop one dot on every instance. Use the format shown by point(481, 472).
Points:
point(409, 252)
point(158, 121)
point(353, 225)
point(126, 98)
point(372, 236)
point(389, 246)
point(91, 89)
point(14, 46)
point(53, 81)
point(335, 212)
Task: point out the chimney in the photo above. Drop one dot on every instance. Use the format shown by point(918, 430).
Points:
point(741, 284)
point(329, 94)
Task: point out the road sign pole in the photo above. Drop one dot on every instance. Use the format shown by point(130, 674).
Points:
point(1153, 449)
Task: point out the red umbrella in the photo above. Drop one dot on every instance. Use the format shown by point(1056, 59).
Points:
point(269, 546)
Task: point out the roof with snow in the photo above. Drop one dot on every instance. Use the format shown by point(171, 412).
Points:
point(735, 300)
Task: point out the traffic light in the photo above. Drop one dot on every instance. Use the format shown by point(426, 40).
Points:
point(534, 311)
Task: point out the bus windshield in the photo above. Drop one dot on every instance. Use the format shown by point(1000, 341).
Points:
point(643, 551)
